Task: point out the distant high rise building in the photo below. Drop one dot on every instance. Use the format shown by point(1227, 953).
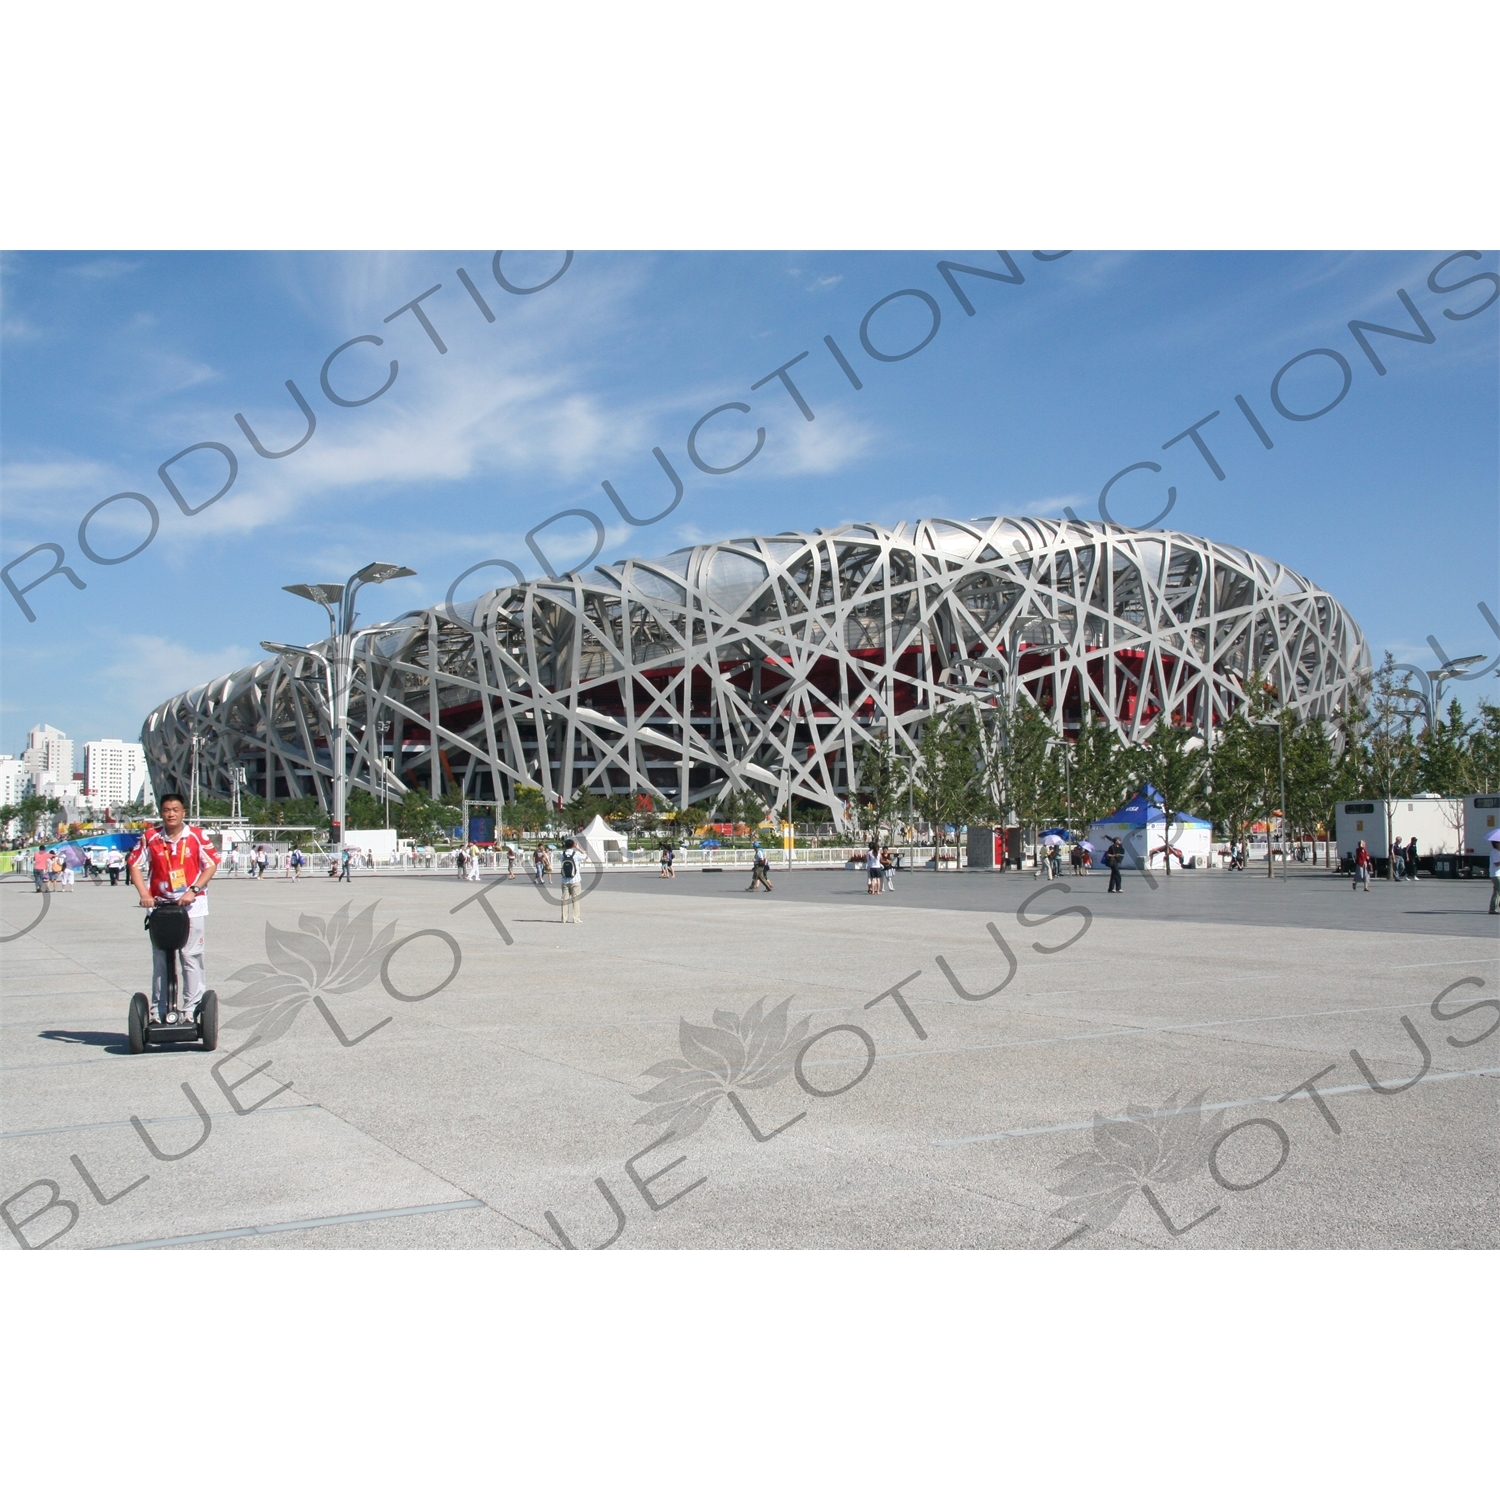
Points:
point(114, 772)
point(48, 755)
point(15, 780)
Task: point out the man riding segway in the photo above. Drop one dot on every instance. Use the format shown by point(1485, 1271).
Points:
point(170, 869)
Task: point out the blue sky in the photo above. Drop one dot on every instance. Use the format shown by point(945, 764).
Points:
point(112, 363)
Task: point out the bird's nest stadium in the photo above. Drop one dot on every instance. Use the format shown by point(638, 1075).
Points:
point(767, 663)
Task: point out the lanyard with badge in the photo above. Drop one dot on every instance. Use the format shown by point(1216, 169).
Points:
point(176, 870)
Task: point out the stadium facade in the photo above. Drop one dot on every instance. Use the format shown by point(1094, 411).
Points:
point(767, 663)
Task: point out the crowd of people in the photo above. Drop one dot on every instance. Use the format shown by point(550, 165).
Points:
point(55, 870)
point(52, 871)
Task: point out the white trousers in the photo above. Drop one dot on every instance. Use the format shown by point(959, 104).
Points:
point(192, 984)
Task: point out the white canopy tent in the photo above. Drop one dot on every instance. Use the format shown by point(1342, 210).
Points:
point(601, 844)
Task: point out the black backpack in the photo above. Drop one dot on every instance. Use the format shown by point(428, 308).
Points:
point(569, 865)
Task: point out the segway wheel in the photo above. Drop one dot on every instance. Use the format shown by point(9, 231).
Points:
point(139, 1010)
point(208, 1020)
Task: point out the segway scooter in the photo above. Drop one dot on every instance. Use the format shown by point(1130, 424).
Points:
point(167, 922)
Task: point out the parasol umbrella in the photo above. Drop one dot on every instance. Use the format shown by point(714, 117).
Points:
point(1084, 844)
point(1050, 839)
point(1494, 838)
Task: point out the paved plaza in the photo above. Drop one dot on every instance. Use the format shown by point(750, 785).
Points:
point(974, 1060)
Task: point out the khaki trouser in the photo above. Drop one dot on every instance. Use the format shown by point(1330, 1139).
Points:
point(571, 902)
point(191, 986)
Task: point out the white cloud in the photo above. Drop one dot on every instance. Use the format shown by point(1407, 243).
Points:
point(107, 269)
point(48, 476)
point(44, 493)
point(102, 683)
point(143, 663)
point(831, 443)
point(1052, 505)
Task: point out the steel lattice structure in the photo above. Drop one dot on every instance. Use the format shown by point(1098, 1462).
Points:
point(767, 663)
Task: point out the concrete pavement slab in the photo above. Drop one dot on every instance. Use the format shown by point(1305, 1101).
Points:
point(941, 1115)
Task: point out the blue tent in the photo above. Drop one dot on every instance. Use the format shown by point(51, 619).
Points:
point(1139, 827)
point(1145, 807)
point(74, 851)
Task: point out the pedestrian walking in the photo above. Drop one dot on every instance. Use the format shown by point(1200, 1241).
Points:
point(41, 870)
point(541, 866)
point(1075, 859)
point(64, 873)
point(476, 854)
point(572, 883)
point(1114, 857)
point(346, 865)
point(261, 860)
point(1055, 858)
point(667, 854)
point(760, 869)
point(887, 870)
point(510, 861)
point(1411, 859)
point(113, 865)
point(1361, 867)
point(1396, 855)
point(872, 870)
point(1494, 876)
point(295, 860)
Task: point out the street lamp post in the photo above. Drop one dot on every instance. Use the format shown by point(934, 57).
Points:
point(1068, 783)
point(1281, 771)
point(1445, 673)
point(338, 600)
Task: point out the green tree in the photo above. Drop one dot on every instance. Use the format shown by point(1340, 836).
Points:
point(1311, 776)
point(1237, 778)
point(1444, 758)
point(1484, 750)
point(949, 782)
point(527, 810)
point(35, 813)
point(363, 810)
point(1391, 753)
point(1099, 771)
point(882, 777)
point(422, 818)
point(1029, 770)
point(1174, 762)
point(742, 806)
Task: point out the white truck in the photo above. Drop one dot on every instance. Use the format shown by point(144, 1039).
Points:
point(1437, 824)
point(1481, 818)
